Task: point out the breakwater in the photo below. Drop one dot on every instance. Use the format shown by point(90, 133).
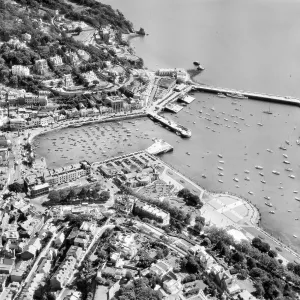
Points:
point(250, 95)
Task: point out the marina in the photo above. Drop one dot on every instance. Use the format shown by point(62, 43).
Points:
point(99, 141)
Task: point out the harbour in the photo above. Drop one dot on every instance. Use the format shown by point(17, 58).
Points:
point(238, 152)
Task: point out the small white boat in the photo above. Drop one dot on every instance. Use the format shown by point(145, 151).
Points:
point(298, 142)
point(289, 210)
point(237, 186)
point(263, 181)
point(221, 181)
point(269, 204)
point(258, 167)
point(295, 192)
point(272, 212)
point(292, 176)
point(269, 150)
point(221, 95)
point(261, 174)
point(289, 170)
point(220, 174)
point(225, 119)
point(286, 162)
point(275, 172)
point(235, 179)
point(284, 155)
point(213, 109)
point(221, 161)
point(287, 142)
point(247, 171)
point(247, 178)
point(267, 197)
point(203, 175)
point(188, 153)
point(251, 193)
point(220, 168)
point(294, 235)
point(259, 124)
point(220, 155)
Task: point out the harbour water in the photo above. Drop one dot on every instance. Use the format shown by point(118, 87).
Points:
point(240, 141)
point(250, 45)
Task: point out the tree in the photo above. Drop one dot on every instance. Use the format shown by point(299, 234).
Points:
point(251, 263)
point(78, 30)
point(259, 289)
point(238, 257)
point(128, 275)
point(216, 234)
point(95, 82)
point(16, 187)
point(83, 193)
point(200, 219)
point(54, 196)
point(72, 194)
point(256, 273)
point(198, 227)
point(14, 81)
point(104, 196)
point(64, 194)
point(272, 253)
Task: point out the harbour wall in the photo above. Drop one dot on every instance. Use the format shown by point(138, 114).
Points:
point(250, 95)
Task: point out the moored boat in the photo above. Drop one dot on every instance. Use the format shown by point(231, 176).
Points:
point(221, 95)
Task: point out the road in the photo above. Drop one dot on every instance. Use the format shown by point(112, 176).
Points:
point(100, 231)
point(36, 264)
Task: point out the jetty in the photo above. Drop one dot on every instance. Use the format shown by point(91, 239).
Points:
point(175, 108)
point(250, 95)
point(187, 99)
point(171, 125)
point(159, 147)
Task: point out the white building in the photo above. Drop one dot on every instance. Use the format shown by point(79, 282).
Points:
point(68, 81)
point(56, 60)
point(26, 37)
point(20, 70)
point(32, 99)
point(90, 76)
point(73, 57)
point(16, 43)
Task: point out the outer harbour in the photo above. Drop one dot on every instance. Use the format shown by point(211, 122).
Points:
point(203, 159)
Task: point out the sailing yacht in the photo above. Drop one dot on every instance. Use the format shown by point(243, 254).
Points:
point(268, 111)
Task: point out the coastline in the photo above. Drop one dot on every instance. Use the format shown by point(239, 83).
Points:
point(194, 186)
point(44, 130)
point(256, 213)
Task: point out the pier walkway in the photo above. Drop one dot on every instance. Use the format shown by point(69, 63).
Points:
point(250, 95)
point(178, 129)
